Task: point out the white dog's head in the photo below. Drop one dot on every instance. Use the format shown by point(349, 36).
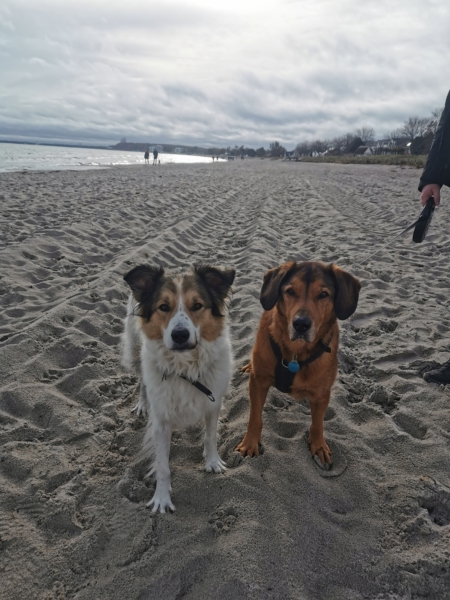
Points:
point(183, 309)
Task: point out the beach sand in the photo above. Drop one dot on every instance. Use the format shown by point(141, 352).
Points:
point(73, 522)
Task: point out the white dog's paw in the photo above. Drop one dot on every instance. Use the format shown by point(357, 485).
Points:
point(161, 501)
point(140, 409)
point(215, 464)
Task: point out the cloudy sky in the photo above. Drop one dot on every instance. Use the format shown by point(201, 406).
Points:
point(222, 73)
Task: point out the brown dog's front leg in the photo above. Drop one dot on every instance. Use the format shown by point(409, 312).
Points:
point(252, 439)
point(316, 439)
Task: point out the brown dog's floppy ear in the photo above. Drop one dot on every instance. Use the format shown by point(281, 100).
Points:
point(273, 279)
point(346, 294)
point(218, 283)
point(143, 281)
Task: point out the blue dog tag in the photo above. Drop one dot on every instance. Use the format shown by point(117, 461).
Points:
point(293, 366)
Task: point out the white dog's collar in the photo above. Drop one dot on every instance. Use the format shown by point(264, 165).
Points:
point(202, 388)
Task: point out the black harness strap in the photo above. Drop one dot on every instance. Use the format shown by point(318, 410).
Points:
point(283, 377)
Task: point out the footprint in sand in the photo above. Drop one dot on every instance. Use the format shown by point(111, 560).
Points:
point(224, 519)
point(51, 375)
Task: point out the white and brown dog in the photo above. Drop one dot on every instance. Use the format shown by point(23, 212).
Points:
point(176, 337)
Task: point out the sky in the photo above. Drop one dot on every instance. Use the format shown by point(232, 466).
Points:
point(211, 73)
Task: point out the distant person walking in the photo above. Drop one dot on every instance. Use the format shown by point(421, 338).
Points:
point(146, 157)
point(436, 174)
point(155, 156)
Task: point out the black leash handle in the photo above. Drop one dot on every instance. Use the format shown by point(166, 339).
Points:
point(424, 220)
point(420, 229)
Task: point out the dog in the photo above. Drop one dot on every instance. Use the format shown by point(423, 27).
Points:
point(176, 338)
point(297, 342)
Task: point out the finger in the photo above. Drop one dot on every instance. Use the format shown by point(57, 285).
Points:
point(437, 196)
point(426, 193)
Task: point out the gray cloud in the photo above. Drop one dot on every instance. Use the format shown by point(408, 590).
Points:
point(192, 71)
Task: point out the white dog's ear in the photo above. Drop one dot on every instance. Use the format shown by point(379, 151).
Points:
point(144, 280)
point(218, 283)
point(347, 293)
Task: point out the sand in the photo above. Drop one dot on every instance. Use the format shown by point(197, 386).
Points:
point(73, 522)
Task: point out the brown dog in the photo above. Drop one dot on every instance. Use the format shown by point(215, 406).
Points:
point(301, 303)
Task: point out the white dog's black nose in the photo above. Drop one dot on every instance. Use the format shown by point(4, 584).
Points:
point(180, 335)
point(301, 324)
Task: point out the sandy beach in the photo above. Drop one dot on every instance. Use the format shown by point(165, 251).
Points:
point(73, 521)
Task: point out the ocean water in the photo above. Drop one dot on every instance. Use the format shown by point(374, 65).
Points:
point(19, 157)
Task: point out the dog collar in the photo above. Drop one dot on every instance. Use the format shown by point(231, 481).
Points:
point(294, 366)
point(284, 374)
point(202, 388)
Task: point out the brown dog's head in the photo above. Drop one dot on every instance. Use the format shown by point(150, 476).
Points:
point(310, 295)
point(183, 309)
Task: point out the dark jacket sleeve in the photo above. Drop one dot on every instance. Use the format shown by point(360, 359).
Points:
point(437, 167)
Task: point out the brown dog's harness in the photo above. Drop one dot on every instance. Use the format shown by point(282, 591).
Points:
point(284, 377)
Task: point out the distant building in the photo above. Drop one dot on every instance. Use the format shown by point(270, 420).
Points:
point(292, 155)
point(354, 145)
point(363, 150)
point(179, 150)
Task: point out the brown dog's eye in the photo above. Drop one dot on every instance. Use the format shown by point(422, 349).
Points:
point(290, 292)
point(197, 306)
point(324, 295)
point(164, 307)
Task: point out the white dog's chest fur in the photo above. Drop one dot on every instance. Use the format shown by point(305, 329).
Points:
point(173, 399)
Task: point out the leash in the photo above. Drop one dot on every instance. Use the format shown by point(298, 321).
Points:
point(202, 388)
point(421, 227)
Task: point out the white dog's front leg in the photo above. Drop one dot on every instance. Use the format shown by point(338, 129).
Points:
point(141, 407)
point(213, 462)
point(161, 433)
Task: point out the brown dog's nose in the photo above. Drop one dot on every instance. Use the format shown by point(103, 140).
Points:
point(301, 324)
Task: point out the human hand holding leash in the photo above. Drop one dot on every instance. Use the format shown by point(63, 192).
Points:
point(431, 189)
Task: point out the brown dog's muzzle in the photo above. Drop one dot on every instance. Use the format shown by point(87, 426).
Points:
point(302, 328)
point(302, 325)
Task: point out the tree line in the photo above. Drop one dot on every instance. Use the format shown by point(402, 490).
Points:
point(412, 129)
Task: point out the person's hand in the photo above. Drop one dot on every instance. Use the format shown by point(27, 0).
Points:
point(431, 189)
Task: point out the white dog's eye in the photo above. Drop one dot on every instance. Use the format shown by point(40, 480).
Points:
point(164, 307)
point(197, 306)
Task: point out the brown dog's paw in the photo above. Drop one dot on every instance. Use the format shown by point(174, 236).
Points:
point(247, 368)
point(320, 448)
point(248, 447)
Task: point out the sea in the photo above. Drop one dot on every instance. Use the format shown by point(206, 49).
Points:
point(34, 157)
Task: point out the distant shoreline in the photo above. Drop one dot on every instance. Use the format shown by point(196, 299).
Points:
point(57, 145)
point(139, 147)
